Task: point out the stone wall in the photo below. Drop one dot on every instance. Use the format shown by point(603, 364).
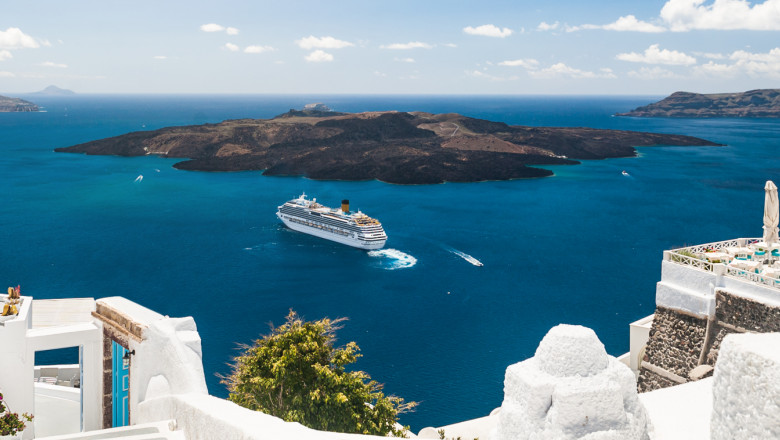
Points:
point(678, 339)
point(719, 333)
point(674, 347)
point(649, 381)
point(746, 314)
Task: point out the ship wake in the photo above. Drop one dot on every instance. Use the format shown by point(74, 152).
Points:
point(392, 259)
point(466, 257)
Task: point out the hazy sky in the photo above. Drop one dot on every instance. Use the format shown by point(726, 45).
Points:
point(399, 46)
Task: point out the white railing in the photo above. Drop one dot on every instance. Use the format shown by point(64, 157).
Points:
point(687, 260)
point(694, 256)
point(718, 245)
point(753, 277)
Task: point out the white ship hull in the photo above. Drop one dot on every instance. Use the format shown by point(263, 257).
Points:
point(347, 240)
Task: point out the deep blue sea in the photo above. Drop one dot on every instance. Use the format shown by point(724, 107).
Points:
point(582, 247)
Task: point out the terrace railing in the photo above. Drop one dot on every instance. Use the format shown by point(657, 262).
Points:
point(694, 256)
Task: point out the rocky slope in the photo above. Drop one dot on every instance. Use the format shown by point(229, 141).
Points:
point(752, 104)
point(395, 147)
point(16, 105)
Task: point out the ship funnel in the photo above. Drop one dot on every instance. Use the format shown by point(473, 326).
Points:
point(345, 206)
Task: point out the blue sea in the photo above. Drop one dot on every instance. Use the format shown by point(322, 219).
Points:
point(581, 247)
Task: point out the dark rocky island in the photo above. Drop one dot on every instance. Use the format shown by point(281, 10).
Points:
point(16, 105)
point(752, 104)
point(395, 147)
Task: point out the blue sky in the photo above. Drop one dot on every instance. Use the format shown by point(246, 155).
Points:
point(371, 47)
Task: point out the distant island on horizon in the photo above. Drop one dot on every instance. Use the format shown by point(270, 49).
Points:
point(54, 91)
point(390, 146)
point(763, 103)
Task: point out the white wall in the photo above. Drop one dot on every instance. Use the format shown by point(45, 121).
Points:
point(17, 362)
point(639, 335)
point(687, 289)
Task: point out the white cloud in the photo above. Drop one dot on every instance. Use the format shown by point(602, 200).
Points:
point(561, 70)
point(548, 27)
point(406, 46)
point(14, 38)
point(717, 69)
point(757, 65)
point(654, 55)
point(319, 56)
point(52, 64)
point(312, 42)
point(710, 55)
point(528, 63)
point(650, 73)
point(685, 15)
point(773, 56)
point(212, 27)
point(258, 49)
point(484, 75)
point(160, 57)
point(488, 30)
point(379, 74)
point(450, 45)
point(6, 74)
point(5, 55)
point(231, 47)
point(404, 60)
point(630, 23)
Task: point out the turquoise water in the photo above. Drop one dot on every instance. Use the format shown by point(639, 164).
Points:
point(582, 247)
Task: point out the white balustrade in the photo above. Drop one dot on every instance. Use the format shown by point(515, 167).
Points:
point(694, 256)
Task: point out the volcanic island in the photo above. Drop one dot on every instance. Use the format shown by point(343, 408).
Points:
point(390, 146)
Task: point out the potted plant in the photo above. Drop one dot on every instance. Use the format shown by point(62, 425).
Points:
point(11, 306)
point(11, 424)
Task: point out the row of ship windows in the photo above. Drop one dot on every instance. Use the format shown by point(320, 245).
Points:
point(318, 226)
point(328, 219)
point(340, 223)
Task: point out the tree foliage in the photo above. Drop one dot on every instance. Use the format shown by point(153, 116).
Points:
point(295, 373)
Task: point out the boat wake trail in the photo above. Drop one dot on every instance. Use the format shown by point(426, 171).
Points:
point(392, 259)
point(465, 256)
point(139, 178)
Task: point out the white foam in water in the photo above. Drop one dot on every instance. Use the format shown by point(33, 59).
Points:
point(466, 257)
point(398, 259)
point(139, 178)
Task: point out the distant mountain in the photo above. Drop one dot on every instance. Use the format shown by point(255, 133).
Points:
point(763, 103)
point(16, 105)
point(54, 91)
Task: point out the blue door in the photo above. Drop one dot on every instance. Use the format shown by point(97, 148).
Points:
point(121, 385)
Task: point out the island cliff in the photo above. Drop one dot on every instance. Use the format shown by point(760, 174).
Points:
point(752, 104)
point(16, 105)
point(394, 147)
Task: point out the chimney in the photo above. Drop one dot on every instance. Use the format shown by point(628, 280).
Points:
point(345, 206)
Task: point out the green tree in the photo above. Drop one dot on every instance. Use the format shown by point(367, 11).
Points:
point(295, 373)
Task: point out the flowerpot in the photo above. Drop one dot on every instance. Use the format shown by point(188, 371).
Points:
point(16, 436)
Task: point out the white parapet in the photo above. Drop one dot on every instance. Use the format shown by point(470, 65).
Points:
point(687, 289)
point(746, 388)
point(639, 335)
point(570, 389)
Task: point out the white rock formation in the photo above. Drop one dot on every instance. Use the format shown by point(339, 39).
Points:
point(571, 389)
point(746, 388)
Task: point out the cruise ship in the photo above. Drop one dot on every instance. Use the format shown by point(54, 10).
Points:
point(340, 225)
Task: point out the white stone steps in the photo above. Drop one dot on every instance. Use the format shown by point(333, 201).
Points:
point(164, 430)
